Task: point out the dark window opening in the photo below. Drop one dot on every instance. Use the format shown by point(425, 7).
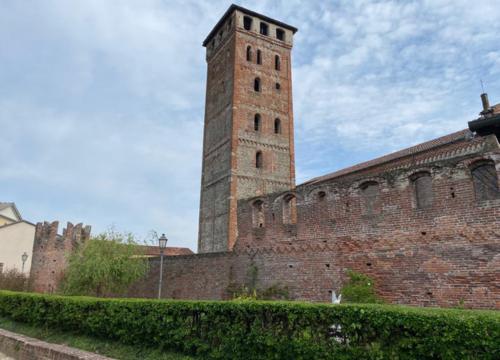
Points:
point(258, 160)
point(256, 122)
point(321, 195)
point(278, 86)
point(247, 23)
point(277, 62)
point(485, 180)
point(422, 183)
point(264, 28)
point(280, 34)
point(277, 126)
point(259, 57)
point(256, 84)
point(249, 53)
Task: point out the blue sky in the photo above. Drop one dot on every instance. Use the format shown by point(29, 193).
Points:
point(101, 102)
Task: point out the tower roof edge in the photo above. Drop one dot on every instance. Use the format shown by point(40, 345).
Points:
point(234, 7)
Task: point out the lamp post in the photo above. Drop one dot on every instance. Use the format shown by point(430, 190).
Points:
point(24, 257)
point(162, 243)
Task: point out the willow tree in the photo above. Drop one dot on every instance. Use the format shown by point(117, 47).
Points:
point(105, 265)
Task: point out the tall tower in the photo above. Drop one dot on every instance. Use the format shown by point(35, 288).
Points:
point(248, 134)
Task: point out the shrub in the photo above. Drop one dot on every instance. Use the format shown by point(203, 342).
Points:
point(359, 289)
point(251, 291)
point(14, 280)
point(106, 264)
point(268, 330)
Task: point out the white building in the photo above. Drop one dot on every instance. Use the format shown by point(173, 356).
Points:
point(16, 239)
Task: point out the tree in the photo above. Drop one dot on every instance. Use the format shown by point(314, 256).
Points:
point(106, 264)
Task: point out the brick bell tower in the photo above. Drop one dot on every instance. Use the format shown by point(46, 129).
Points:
point(248, 133)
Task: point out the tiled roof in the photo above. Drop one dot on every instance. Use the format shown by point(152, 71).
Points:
point(169, 251)
point(428, 145)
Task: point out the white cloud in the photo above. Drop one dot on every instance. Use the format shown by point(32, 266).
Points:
point(102, 101)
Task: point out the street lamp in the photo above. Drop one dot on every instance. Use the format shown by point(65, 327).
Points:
point(162, 243)
point(24, 257)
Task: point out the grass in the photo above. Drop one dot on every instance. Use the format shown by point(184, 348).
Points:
point(108, 348)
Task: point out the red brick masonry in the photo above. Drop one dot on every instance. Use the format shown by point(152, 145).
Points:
point(445, 254)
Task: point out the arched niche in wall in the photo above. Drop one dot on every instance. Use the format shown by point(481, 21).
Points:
point(485, 180)
point(422, 189)
point(258, 216)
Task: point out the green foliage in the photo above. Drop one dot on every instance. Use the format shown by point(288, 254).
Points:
point(359, 289)
point(106, 264)
point(250, 290)
point(105, 347)
point(267, 330)
point(14, 280)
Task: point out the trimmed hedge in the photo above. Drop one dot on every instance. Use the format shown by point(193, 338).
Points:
point(268, 330)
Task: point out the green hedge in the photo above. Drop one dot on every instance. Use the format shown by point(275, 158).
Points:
point(268, 330)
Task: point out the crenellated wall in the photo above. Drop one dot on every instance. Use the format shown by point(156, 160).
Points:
point(51, 251)
point(438, 245)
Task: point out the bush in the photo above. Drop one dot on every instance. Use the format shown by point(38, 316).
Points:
point(359, 289)
point(14, 280)
point(268, 330)
point(106, 264)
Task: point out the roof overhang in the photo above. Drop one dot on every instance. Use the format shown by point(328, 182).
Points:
point(486, 126)
point(234, 7)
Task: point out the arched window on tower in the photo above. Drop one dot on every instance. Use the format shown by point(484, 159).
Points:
point(258, 214)
point(259, 161)
point(277, 126)
point(256, 84)
point(422, 184)
point(247, 23)
point(485, 179)
point(280, 34)
point(264, 28)
point(259, 57)
point(249, 53)
point(256, 122)
point(277, 62)
point(370, 193)
point(289, 209)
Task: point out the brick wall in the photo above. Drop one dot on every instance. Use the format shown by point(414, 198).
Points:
point(444, 251)
point(50, 253)
point(231, 139)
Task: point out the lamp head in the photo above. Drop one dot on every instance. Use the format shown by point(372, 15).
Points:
point(162, 241)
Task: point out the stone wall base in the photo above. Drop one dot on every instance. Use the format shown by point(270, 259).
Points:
point(21, 347)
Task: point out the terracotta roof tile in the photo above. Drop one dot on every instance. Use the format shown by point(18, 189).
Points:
point(458, 136)
point(169, 251)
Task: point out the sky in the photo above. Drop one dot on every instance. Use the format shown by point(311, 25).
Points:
point(102, 102)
